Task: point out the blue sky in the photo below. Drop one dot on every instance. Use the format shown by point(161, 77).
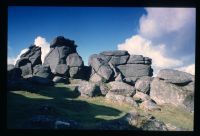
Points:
point(97, 29)
point(93, 29)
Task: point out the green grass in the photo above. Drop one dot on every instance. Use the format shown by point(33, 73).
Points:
point(22, 105)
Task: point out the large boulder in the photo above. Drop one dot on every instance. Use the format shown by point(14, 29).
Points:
point(96, 78)
point(149, 105)
point(121, 99)
point(14, 73)
point(141, 97)
point(100, 66)
point(175, 76)
point(63, 58)
point(60, 48)
point(143, 84)
point(164, 92)
point(25, 65)
point(121, 88)
point(74, 60)
point(33, 54)
point(135, 70)
point(88, 89)
point(119, 60)
point(42, 71)
point(75, 72)
point(61, 69)
point(119, 65)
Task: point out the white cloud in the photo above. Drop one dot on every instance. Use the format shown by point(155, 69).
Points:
point(45, 46)
point(14, 60)
point(11, 61)
point(39, 41)
point(161, 21)
point(162, 33)
point(141, 46)
point(189, 69)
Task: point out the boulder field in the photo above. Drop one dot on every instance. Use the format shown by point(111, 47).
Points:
point(117, 75)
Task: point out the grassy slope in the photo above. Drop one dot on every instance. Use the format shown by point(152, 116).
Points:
point(22, 105)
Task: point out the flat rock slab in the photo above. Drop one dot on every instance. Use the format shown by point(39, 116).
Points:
point(175, 76)
point(135, 70)
point(121, 88)
point(115, 53)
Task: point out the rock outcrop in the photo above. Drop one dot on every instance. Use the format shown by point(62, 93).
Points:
point(63, 58)
point(176, 90)
point(119, 65)
point(114, 74)
point(29, 60)
point(175, 76)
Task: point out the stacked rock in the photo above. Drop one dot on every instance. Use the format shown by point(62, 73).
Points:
point(29, 60)
point(119, 65)
point(63, 59)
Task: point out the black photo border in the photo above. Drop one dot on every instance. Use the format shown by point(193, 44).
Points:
point(91, 3)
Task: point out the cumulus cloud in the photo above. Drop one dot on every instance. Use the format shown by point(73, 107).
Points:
point(14, 60)
point(11, 60)
point(162, 31)
point(39, 41)
point(141, 46)
point(161, 21)
point(45, 46)
point(189, 69)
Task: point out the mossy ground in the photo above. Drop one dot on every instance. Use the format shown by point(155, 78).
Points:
point(22, 105)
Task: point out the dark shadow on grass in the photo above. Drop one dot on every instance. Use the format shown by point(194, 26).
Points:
point(20, 109)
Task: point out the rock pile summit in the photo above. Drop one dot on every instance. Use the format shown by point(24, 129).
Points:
point(117, 75)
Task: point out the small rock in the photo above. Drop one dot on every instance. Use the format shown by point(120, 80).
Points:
point(58, 79)
point(121, 88)
point(149, 105)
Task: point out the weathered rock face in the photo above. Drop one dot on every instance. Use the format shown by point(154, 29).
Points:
point(164, 92)
point(111, 96)
point(121, 88)
point(61, 69)
point(100, 66)
point(88, 89)
point(120, 66)
point(60, 48)
point(63, 59)
point(175, 76)
point(42, 71)
point(135, 70)
point(139, 96)
point(149, 105)
point(29, 60)
point(25, 65)
point(143, 84)
point(33, 54)
point(14, 73)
